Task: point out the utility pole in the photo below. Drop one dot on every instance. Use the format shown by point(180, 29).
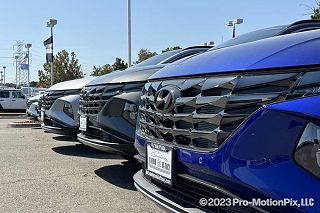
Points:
point(4, 76)
point(16, 57)
point(129, 33)
point(28, 81)
point(21, 74)
point(51, 23)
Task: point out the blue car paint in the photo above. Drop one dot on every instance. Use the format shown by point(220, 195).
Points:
point(246, 166)
point(294, 50)
point(253, 169)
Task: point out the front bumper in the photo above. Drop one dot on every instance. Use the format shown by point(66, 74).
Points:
point(106, 146)
point(170, 197)
point(60, 130)
point(156, 195)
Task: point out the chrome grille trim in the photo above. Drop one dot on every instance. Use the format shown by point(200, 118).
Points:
point(223, 102)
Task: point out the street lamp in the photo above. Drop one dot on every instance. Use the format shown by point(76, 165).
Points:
point(4, 76)
point(233, 24)
point(28, 49)
point(129, 33)
point(16, 57)
point(51, 23)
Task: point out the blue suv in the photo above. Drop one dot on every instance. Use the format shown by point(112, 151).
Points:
point(209, 133)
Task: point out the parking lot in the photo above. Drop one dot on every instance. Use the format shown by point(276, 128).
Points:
point(42, 172)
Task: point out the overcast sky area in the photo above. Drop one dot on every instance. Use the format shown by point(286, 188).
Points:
point(96, 30)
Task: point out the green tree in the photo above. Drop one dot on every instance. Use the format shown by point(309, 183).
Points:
point(119, 64)
point(33, 83)
point(171, 48)
point(144, 54)
point(107, 68)
point(66, 67)
point(315, 11)
point(101, 70)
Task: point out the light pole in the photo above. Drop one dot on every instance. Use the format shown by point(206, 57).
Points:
point(4, 76)
point(16, 57)
point(51, 24)
point(129, 33)
point(233, 24)
point(28, 49)
point(1, 79)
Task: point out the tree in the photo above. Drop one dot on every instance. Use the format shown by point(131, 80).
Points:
point(66, 67)
point(107, 68)
point(101, 70)
point(315, 11)
point(144, 54)
point(33, 83)
point(119, 64)
point(171, 48)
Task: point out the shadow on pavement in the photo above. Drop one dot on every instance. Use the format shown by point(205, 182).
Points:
point(81, 150)
point(120, 175)
point(65, 138)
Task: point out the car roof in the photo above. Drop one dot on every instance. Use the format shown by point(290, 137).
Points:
point(308, 106)
point(286, 51)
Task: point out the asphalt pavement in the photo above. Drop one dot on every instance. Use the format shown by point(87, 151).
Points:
point(43, 172)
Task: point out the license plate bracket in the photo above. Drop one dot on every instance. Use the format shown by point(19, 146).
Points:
point(159, 161)
point(83, 123)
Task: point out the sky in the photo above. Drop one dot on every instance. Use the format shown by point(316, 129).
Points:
point(96, 30)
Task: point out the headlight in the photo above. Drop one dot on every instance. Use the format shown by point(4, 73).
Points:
point(67, 108)
point(307, 153)
point(130, 113)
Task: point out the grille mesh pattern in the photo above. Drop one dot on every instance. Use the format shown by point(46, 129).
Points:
point(93, 99)
point(47, 100)
point(208, 109)
point(191, 192)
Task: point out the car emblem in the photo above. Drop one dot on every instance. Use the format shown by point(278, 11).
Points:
point(165, 98)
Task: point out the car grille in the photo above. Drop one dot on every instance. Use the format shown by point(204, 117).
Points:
point(93, 99)
point(94, 133)
point(191, 192)
point(47, 100)
point(207, 110)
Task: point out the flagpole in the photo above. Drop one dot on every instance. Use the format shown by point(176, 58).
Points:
point(51, 68)
point(51, 24)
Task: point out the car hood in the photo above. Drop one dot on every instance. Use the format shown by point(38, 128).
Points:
point(71, 85)
point(127, 76)
point(35, 98)
point(292, 50)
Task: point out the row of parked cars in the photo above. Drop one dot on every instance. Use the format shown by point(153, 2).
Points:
point(237, 121)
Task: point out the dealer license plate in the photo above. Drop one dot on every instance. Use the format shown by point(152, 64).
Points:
point(159, 162)
point(83, 123)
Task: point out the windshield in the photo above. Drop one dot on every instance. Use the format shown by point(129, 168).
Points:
point(252, 36)
point(156, 59)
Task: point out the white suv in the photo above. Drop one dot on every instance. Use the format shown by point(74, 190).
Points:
point(11, 99)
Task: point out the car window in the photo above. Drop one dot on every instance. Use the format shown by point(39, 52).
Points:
point(157, 58)
point(4, 94)
point(17, 95)
point(252, 36)
point(183, 54)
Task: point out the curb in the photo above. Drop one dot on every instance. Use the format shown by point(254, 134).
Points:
point(23, 125)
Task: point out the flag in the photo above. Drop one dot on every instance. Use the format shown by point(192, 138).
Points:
point(48, 44)
point(24, 63)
